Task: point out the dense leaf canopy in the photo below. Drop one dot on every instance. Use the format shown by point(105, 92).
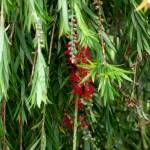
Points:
point(74, 74)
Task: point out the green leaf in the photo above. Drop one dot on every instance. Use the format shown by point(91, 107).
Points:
point(39, 84)
point(64, 20)
point(4, 62)
point(35, 145)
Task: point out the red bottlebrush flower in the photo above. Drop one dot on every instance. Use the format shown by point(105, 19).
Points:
point(80, 104)
point(84, 60)
point(86, 52)
point(91, 89)
point(83, 72)
point(73, 60)
point(83, 123)
point(68, 60)
point(67, 45)
point(88, 90)
point(74, 77)
point(77, 89)
point(73, 68)
point(83, 55)
point(81, 118)
point(90, 80)
point(67, 122)
point(87, 95)
point(67, 52)
point(79, 56)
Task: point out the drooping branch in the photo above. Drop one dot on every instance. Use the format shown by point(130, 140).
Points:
point(98, 7)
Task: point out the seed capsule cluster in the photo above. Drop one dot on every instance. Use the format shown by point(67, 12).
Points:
point(73, 38)
point(39, 33)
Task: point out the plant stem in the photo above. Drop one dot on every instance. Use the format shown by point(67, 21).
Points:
point(51, 42)
point(43, 136)
point(135, 76)
point(20, 129)
point(3, 109)
point(98, 7)
point(33, 68)
point(75, 125)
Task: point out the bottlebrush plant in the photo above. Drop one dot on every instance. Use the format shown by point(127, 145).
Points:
point(74, 74)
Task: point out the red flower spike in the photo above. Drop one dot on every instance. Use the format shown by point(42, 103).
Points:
point(87, 95)
point(83, 72)
point(83, 123)
point(86, 52)
point(81, 118)
point(90, 80)
point(73, 60)
point(67, 45)
point(77, 89)
point(84, 60)
point(67, 122)
point(79, 56)
point(80, 104)
point(74, 77)
point(85, 90)
point(91, 89)
point(73, 69)
point(68, 60)
point(67, 52)
point(88, 90)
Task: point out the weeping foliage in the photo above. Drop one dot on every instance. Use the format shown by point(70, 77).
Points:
point(4, 58)
point(108, 54)
point(39, 83)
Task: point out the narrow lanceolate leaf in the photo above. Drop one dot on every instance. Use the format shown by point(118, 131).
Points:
point(88, 35)
point(39, 83)
point(64, 23)
point(4, 60)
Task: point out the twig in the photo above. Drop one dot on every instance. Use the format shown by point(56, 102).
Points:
point(143, 123)
point(12, 33)
point(123, 92)
point(135, 76)
point(33, 68)
point(142, 118)
point(20, 129)
point(51, 42)
point(98, 7)
point(42, 147)
point(75, 124)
